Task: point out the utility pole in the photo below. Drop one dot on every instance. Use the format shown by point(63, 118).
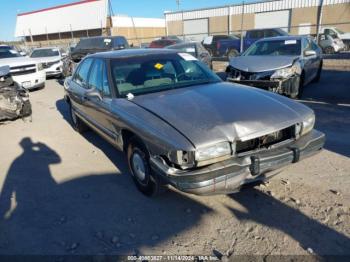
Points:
point(178, 4)
point(319, 21)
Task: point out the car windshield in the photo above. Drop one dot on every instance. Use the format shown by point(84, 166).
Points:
point(8, 53)
point(155, 73)
point(289, 47)
point(339, 31)
point(44, 53)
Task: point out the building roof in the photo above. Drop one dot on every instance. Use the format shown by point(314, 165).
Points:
point(76, 16)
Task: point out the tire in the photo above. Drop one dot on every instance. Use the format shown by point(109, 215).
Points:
point(318, 76)
point(329, 50)
point(77, 123)
point(299, 94)
point(232, 53)
point(138, 160)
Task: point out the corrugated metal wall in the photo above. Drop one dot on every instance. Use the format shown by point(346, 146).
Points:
point(248, 8)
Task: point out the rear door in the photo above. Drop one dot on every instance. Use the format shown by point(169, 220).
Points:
point(310, 62)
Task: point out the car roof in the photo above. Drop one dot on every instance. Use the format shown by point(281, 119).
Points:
point(183, 45)
point(132, 53)
point(286, 37)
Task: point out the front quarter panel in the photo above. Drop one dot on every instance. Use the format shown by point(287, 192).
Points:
point(159, 137)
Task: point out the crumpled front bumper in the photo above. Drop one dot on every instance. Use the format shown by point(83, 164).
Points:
point(228, 176)
point(286, 86)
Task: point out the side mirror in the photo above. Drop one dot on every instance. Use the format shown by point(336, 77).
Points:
point(4, 71)
point(308, 53)
point(94, 94)
point(64, 55)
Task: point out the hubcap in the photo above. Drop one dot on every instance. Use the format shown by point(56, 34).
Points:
point(138, 167)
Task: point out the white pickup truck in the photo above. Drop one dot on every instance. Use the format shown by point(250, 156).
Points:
point(337, 33)
point(25, 71)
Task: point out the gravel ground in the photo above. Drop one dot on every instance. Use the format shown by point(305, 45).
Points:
point(62, 193)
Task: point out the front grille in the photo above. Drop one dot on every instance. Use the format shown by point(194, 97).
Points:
point(243, 75)
point(265, 141)
point(23, 70)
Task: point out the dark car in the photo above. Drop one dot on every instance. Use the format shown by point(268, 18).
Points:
point(282, 65)
point(92, 45)
point(196, 49)
point(179, 124)
point(214, 45)
point(164, 42)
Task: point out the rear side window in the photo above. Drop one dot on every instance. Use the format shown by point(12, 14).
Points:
point(98, 77)
point(256, 34)
point(81, 76)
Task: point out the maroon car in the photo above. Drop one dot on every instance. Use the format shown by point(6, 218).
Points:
point(161, 43)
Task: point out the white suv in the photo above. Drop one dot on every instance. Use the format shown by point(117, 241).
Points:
point(51, 58)
point(25, 71)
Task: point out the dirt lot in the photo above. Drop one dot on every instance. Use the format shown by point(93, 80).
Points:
point(63, 193)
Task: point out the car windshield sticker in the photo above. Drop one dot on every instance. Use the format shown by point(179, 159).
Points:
point(107, 41)
point(158, 66)
point(190, 50)
point(187, 57)
point(208, 40)
point(290, 42)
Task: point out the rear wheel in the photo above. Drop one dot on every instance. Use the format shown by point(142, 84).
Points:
point(232, 53)
point(138, 160)
point(77, 123)
point(329, 50)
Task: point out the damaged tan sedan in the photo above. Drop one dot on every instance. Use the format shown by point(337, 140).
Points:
point(180, 125)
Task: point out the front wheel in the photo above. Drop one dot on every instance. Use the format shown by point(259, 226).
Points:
point(300, 88)
point(138, 160)
point(329, 50)
point(77, 123)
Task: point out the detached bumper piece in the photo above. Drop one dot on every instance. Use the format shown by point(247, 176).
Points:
point(228, 176)
point(281, 86)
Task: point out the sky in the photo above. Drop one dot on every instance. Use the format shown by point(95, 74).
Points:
point(140, 8)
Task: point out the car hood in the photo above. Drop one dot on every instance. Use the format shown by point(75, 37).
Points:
point(212, 113)
point(258, 64)
point(46, 59)
point(345, 36)
point(17, 61)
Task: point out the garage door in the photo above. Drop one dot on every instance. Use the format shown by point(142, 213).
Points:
point(197, 29)
point(273, 20)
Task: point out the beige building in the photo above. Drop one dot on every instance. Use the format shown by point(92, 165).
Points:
point(294, 16)
point(65, 24)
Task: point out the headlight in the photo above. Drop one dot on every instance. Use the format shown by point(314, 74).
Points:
point(308, 124)
point(215, 151)
point(287, 72)
point(40, 67)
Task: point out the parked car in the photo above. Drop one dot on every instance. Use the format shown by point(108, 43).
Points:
point(337, 33)
point(229, 46)
point(179, 124)
point(222, 45)
point(25, 71)
point(282, 65)
point(330, 45)
point(195, 49)
point(14, 100)
point(92, 45)
point(164, 42)
point(50, 58)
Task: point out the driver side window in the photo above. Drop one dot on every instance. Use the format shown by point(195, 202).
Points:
point(98, 77)
point(81, 76)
